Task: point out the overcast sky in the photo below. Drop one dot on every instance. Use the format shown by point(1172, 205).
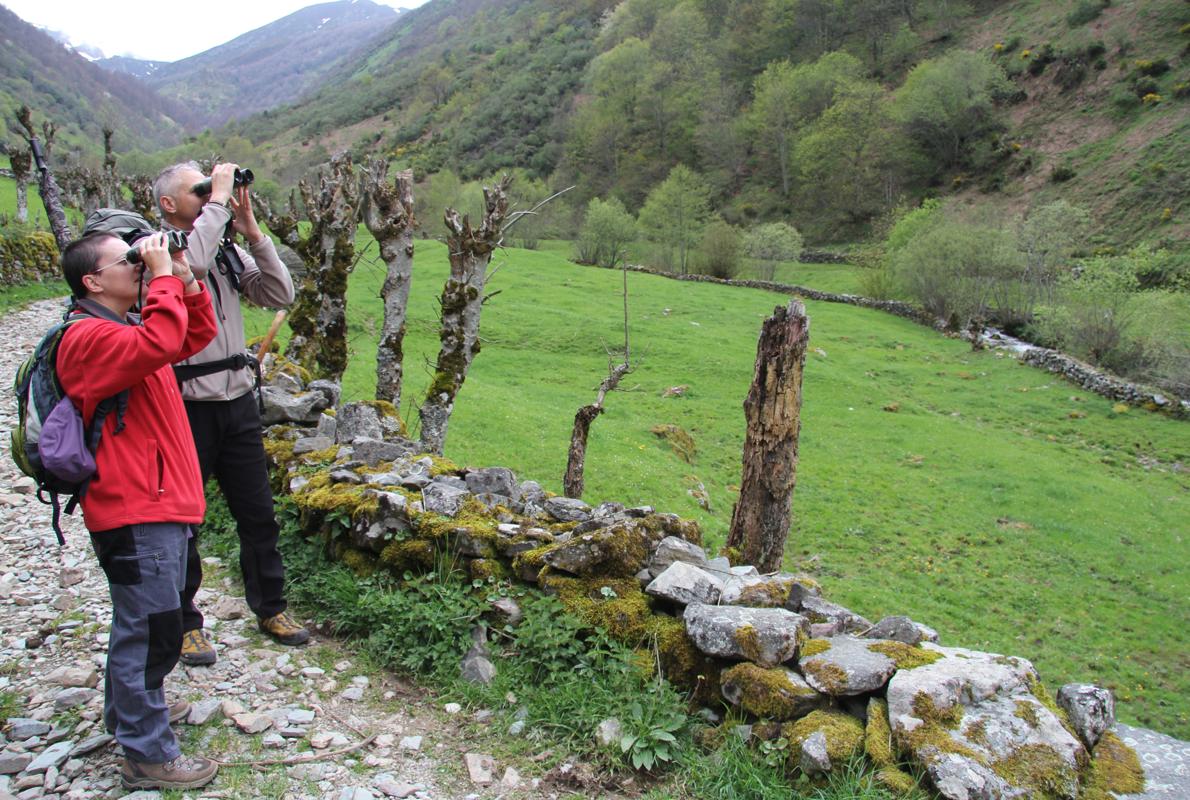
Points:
point(157, 30)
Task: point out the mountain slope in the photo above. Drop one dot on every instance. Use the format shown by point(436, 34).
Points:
point(274, 64)
point(80, 97)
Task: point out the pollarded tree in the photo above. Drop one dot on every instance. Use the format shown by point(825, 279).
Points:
point(948, 104)
point(676, 211)
point(20, 158)
point(771, 243)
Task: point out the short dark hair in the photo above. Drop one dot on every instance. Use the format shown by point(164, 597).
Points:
point(80, 258)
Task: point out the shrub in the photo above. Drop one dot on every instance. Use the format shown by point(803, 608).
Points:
point(606, 232)
point(1095, 314)
point(1062, 173)
point(719, 253)
point(1085, 11)
point(772, 243)
point(1152, 68)
point(1142, 87)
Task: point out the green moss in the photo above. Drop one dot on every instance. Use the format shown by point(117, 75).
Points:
point(288, 367)
point(663, 525)
point(321, 494)
point(679, 440)
point(1114, 770)
point(439, 465)
point(976, 732)
point(896, 781)
point(682, 663)
point(279, 451)
point(618, 606)
point(925, 710)
point(767, 693)
point(748, 641)
point(1039, 769)
point(878, 735)
point(484, 568)
point(359, 562)
point(905, 656)
point(1026, 711)
point(769, 594)
point(400, 555)
point(830, 677)
point(844, 734)
point(814, 647)
point(529, 564)
point(325, 456)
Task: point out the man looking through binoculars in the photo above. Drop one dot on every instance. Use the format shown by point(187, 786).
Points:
point(217, 386)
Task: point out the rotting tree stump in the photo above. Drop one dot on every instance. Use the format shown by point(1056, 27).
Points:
point(761, 517)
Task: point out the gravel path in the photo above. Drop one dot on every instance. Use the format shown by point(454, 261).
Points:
point(260, 702)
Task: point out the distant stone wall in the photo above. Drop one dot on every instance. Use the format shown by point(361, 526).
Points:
point(1081, 373)
point(829, 683)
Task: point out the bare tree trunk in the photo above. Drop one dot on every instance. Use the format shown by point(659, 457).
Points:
point(21, 160)
point(109, 181)
point(462, 301)
point(761, 518)
point(576, 459)
point(388, 213)
point(50, 194)
point(318, 318)
point(141, 189)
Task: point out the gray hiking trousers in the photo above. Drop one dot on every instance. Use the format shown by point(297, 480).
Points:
point(145, 567)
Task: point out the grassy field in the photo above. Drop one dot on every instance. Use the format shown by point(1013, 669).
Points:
point(1009, 509)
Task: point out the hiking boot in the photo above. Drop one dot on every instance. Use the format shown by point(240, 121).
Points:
point(181, 773)
point(285, 629)
point(178, 711)
point(197, 650)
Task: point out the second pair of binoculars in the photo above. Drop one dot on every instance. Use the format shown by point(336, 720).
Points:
point(241, 177)
point(177, 242)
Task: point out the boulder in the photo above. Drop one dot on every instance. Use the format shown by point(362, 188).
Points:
point(311, 444)
point(279, 406)
point(844, 665)
point(765, 591)
point(567, 509)
point(1092, 710)
point(328, 389)
point(619, 551)
point(831, 737)
point(493, 480)
point(902, 629)
point(327, 425)
point(442, 498)
point(776, 693)
point(684, 583)
point(765, 636)
point(814, 759)
point(374, 451)
point(366, 421)
point(978, 725)
point(675, 548)
point(830, 618)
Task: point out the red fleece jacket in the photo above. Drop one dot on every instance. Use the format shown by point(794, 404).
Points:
point(149, 471)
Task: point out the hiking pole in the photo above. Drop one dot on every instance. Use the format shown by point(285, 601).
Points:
point(267, 341)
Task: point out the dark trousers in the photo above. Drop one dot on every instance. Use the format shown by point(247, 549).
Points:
point(228, 435)
point(144, 565)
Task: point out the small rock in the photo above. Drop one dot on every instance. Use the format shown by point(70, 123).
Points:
point(87, 746)
point(353, 694)
point(511, 779)
point(273, 739)
point(609, 732)
point(252, 723)
point(21, 728)
point(71, 576)
point(12, 763)
point(814, 759)
point(87, 677)
point(300, 716)
point(53, 756)
point(452, 708)
point(516, 728)
point(203, 711)
point(1092, 710)
point(410, 743)
point(226, 608)
point(69, 698)
point(479, 768)
point(391, 788)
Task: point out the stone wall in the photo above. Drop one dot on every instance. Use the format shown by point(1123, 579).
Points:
point(799, 667)
point(1081, 373)
point(28, 259)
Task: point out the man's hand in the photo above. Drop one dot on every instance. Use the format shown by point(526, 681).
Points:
point(222, 183)
point(244, 219)
point(154, 253)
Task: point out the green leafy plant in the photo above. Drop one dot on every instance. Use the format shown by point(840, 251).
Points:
point(651, 733)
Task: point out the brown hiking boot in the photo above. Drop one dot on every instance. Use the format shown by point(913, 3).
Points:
point(178, 711)
point(181, 773)
point(197, 650)
point(285, 630)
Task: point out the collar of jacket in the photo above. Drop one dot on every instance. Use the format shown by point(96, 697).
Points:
point(94, 309)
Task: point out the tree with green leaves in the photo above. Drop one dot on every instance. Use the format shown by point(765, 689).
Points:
point(947, 106)
point(676, 211)
point(772, 243)
point(607, 230)
point(719, 252)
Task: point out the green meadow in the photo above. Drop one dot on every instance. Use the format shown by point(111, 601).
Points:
point(1011, 510)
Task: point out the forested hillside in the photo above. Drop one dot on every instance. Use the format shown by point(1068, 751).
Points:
point(79, 97)
point(825, 113)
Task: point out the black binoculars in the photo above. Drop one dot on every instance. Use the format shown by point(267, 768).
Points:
point(241, 177)
point(177, 241)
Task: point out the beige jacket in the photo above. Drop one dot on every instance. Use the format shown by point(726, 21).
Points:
point(265, 282)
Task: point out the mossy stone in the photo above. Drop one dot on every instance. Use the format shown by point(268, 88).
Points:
point(618, 606)
point(844, 735)
point(878, 735)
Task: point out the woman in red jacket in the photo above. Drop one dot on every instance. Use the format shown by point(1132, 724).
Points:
point(147, 491)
